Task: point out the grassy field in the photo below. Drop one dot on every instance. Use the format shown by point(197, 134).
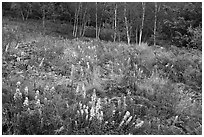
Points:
point(55, 84)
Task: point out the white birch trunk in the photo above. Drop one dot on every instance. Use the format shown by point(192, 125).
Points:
point(126, 24)
point(155, 23)
point(115, 33)
point(141, 29)
point(77, 20)
point(96, 22)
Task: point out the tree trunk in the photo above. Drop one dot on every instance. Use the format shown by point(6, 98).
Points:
point(77, 20)
point(101, 24)
point(28, 11)
point(126, 24)
point(43, 19)
point(155, 23)
point(143, 15)
point(83, 22)
point(136, 38)
point(115, 33)
point(23, 18)
point(96, 22)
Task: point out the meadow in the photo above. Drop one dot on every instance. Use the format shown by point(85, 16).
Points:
point(55, 84)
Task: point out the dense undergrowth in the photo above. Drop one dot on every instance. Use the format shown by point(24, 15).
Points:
point(52, 85)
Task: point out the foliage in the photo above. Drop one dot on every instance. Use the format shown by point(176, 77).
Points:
point(176, 23)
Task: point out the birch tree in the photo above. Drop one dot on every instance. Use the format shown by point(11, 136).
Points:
point(126, 23)
point(96, 15)
point(141, 28)
point(76, 22)
point(157, 9)
point(23, 8)
point(75, 16)
point(115, 32)
point(83, 24)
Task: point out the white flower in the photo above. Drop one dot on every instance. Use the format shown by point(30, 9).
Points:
point(78, 113)
point(139, 123)
point(26, 91)
point(84, 106)
point(82, 111)
point(92, 112)
point(129, 119)
point(80, 105)
point(38, 103)
point(45, 100)
point(121, 123)
point(18, 83)
point(127, 114)
point(18, 59)
point(25, 103)
point(84, 90)
point(77, 89)
point(18, 94)
point(52, 89)
point(93, 97)
point(98, 104)
point(17, 90)
point(86, 110)
point(100, 116)
point(46, 88)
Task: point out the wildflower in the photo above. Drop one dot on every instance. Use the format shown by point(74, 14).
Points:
point(37, 94)
point(67, 104)
point(80, 105)
point(52, 89)
point(114, 111)
point(128, 91)
point(82, 111)
point(38, 103)
point(98, 104)
point(45, 100)
point(129, 119)
point(119, 103)
point(46, 88)
point(86, 111)
point(124, 102)
point(84, 107)
point(18, 94)
point(122, 122)
point(139, 123)
point(18, 84)
point(84, 90)
point(87, 116)
point(59, 130)
point(100, 116)
point(18, 59)
point(72, 71)
point(93, 97)
point(127, 114)
point(78, 113)
point(88, 66)
point(77, 89)
point(76, 123)
point(26, 91)
point(25, 103)
point(92, 113)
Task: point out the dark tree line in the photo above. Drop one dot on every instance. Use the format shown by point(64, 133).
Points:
point(134, 22)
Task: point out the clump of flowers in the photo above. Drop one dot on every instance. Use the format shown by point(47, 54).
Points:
point(26, 91)
point(26, 102)
point(18, 94)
